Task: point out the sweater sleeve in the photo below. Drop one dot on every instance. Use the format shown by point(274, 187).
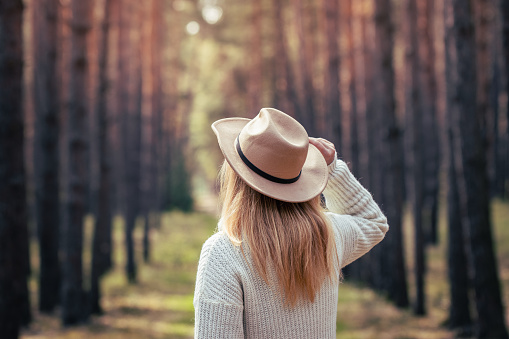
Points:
point(358, 221)
point(218, 297)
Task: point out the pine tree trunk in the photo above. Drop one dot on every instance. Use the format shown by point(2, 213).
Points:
point(350, 16)
point(470, 159)
point(362, 267)
point(305, 62)
point(74, 308)
point(389, 174)
point(332, 62)
point(101, 247)
point(286, 98)
point(256, 62)
point(505, 47)
point(46, 150)
point(459, 281)
point(132, 144)
point(13, 210)
point(414, 118)
point(430, 139)
point(157, 104)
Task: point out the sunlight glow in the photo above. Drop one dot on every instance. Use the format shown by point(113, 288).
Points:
point(212, 13)
point(192, 28)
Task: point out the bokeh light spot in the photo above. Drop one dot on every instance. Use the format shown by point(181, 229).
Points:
point(192, 28)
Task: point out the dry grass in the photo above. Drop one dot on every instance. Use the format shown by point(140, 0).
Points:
point(160, 305)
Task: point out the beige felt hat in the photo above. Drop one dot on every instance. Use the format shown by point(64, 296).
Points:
point(272, 154)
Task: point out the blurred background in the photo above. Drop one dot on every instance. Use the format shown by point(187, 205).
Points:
point(108, 164)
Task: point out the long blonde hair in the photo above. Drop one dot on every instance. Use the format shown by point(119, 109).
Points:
point(295, 239)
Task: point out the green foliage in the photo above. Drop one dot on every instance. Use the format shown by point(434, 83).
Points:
point(177, 192)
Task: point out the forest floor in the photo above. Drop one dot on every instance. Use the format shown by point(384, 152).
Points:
point(160, 305)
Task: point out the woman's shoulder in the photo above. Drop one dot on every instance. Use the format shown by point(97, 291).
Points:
point(218, 249)
point(218, 241)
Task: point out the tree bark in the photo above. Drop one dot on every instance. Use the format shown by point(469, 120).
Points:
point(389, 170)
point(430, 139)
point(350, 16)
point(285, 97)
point(305, 62)
point(14, 301)
point(470, 159)
point(505, 52)
point(332, 62)
point(459, 281)
point(131, 133)
point(74, 308)
point(256, 62)
point(46, 149)
point(414, 119)
point(101, 247)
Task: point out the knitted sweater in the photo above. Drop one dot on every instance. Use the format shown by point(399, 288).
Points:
point(232, 301)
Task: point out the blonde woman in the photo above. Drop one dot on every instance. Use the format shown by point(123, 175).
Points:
point(273, 268)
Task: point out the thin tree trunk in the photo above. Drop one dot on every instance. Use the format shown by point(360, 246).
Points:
point(350, 16)
point(127, 112)
point(414, 113)
point(459, 282)
point(13, 210)
point(101, 246)
point(389, 174)
point(286, 97)
point(365, 100)
point(504, 4)
point(46, 150)
point(470, 159)
point(132, 143)
point(430, 139)
point(74, 308)
point(256, 62)
point(305, 62)
point(332, 62)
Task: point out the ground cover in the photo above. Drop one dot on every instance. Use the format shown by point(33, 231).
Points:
point(161, 304)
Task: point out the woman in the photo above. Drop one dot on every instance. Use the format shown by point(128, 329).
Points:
point(273, 268)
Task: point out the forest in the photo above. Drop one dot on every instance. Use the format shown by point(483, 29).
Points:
point(108, 165)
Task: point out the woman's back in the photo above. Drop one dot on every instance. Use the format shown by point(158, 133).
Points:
point(232, 300)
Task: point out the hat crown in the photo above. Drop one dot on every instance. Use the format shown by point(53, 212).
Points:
point(275, 143)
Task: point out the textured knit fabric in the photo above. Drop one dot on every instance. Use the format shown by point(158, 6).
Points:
point(232, 301)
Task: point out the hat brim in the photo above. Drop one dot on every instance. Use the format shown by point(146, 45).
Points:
point(311, 183)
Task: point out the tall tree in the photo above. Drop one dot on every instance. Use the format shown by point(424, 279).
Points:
point(285, 94)
point(389, 170)
point(332, 55)
point(13, 210)
point(101, 246)
point(470, 162)
point(255, 69)
point(505, 52)
point(46, 150)
point(430, 139)
point(74, 308)
point(151, 119)
point(414, 119)
point(500, 170)
point(131, 90)
point(351, 16)
point(457, 265)
point(305, 62)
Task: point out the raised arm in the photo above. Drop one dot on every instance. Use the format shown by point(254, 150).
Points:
point(357, 219)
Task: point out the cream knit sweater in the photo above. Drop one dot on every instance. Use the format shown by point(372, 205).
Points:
point(232, 301)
